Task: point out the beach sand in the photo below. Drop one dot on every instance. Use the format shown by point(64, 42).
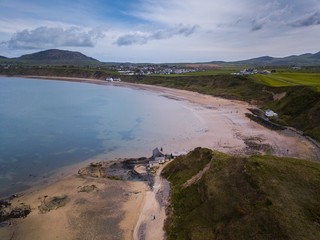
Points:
point(125, 210)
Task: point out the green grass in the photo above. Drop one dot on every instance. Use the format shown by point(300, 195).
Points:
point(287, 79)
point(258, 197)
point(213, 72)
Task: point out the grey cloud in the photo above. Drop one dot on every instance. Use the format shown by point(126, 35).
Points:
point(143, 38)
point(132, 38)
point(257, 25)
point(45, 37)
point(307, 20)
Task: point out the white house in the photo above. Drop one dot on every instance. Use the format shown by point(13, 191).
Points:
point(157, 158)
point(157, 155)
point(153, 164)
point(110, 79)
point(270, 113)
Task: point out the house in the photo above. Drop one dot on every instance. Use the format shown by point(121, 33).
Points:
point(269, 113)
point(153, 164)
point(110, 79)
point(157, 158)
point(157, 155)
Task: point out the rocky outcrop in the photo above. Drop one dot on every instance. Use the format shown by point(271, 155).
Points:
point(97, 170)
point(7, 211)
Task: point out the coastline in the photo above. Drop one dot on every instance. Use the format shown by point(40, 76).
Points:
point(117, 206)
point(232, 112)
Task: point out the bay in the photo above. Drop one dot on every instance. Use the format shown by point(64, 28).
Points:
point(47, 125)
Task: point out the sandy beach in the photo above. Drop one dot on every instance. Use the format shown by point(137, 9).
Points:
point(116, 209)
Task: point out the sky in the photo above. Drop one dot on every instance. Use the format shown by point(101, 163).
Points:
point(158, 31)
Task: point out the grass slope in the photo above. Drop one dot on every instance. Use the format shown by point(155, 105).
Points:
point(283, 79)
point(227, 86)
point(300, 108)
point(259, 197)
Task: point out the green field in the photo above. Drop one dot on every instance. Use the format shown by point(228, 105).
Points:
point(286, 79)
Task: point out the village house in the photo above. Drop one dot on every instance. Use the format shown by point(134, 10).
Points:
point(269, 113)
point(110, 79)
point(157, 158)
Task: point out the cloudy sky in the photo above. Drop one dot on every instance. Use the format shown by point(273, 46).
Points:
point(161, 30)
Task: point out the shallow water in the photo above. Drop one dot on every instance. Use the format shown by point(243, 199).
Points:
point(46, 125)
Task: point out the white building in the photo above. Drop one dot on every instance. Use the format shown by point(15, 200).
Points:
point(270, 113)
point(158, 157)
point(110, 79)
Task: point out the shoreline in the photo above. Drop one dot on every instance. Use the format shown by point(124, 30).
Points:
point(185, 96)
point(227, 129)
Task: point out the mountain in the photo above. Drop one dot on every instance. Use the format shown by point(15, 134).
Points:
point(52, 57)
point(64, 57)
point(307, 59)
point(57, 57)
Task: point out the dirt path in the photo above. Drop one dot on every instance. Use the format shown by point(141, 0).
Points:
point(152, 215)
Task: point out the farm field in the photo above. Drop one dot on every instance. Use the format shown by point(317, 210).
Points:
point(284, 79)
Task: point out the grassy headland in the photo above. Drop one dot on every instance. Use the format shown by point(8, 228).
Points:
point(219, 196)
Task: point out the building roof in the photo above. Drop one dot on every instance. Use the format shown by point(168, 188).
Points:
point(157, 153)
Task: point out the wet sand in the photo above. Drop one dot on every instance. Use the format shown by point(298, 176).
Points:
point(125, 210)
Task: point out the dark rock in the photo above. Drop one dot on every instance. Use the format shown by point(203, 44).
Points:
point(22, 211)
point(4, 203)
point(94, 170)
point(87, 188)
point(53, 203)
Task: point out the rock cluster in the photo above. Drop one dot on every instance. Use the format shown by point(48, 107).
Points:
point(7, 211)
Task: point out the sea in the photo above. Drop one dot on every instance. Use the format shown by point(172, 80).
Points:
point(47, 125)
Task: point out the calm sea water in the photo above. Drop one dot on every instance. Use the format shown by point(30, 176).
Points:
point(46, 125)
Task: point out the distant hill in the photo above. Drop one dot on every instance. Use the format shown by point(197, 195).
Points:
point(57, 57)
point(64, 57)
point(307, 59)
point(53, 57)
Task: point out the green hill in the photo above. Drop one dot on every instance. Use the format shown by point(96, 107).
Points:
point(219, 196)
point(57, 57)
point(52, 57)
